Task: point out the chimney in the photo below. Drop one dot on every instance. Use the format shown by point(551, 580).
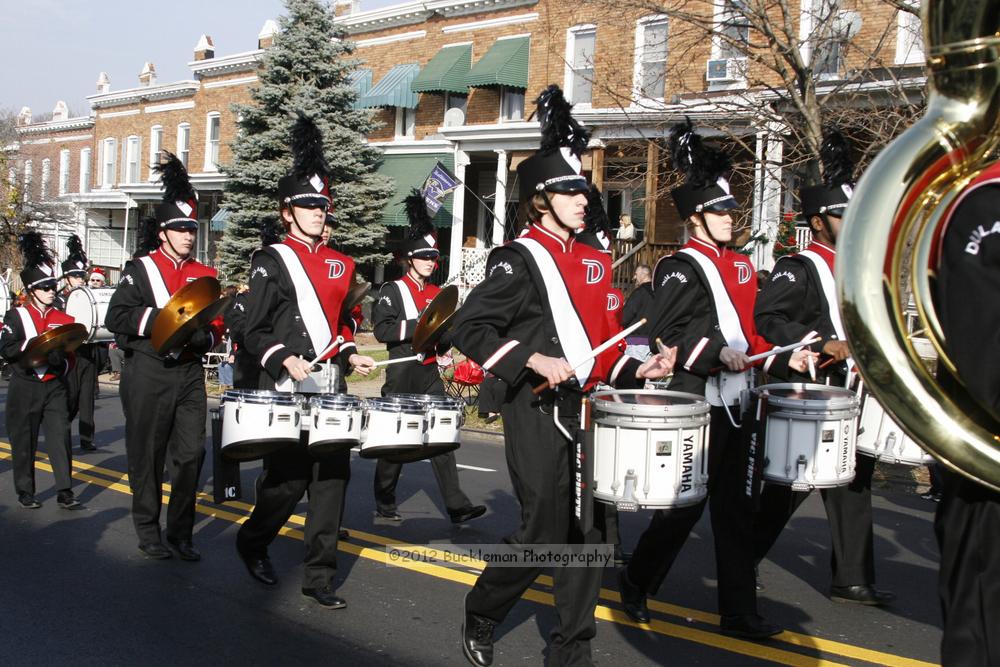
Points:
point(61, 111)
point(346, 7)
point(204, 49)
point(147, 77)
point(24, 118)
point(103, 83)
point(265, 39)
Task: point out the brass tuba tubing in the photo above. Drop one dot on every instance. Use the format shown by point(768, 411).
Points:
point(885, 245)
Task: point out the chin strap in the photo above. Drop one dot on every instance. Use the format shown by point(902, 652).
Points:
point(552, 211)
point(708, 232)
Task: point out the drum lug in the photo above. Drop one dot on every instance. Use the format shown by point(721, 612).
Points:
point(800, 483)
point(237, 414)
point(628, 502)
point(270, 417)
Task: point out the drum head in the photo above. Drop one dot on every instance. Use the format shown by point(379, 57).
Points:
point(336, 401)
point(800, 394)
point(393, 403)
point(261, 396)
point(649, 402)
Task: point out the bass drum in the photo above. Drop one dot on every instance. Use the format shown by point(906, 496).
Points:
point(88, 307)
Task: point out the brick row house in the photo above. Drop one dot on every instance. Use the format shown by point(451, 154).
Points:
point(452, 81)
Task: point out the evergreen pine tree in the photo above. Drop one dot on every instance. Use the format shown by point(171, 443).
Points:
point(308, 68)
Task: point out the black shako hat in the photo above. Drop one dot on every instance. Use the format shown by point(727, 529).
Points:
point(308, 183)
point(556, 166)
point(76, 263)
point(179, 209)
point(39, 265)
point(833, 195)
point(421, 241)
point(596, 230)
point(704, 188)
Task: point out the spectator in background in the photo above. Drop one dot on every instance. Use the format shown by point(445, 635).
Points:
point(636, 307)
point(626, 230)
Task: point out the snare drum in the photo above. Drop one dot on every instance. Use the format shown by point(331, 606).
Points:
point(444, 416)
point(809, 434)
point(334, 423)
point(650, 448)
point(258, 422)
point(881, 437)
point(392, 426)
point(88, 306)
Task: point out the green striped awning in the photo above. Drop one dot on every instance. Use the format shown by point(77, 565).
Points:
point(505, 64)
point(446, 71)
point(218, 222)
point(393, 90)
point(410, 171)
point(361, 81)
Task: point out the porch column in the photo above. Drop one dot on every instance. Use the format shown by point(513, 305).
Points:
point(458, 216)
point(500, 198)
point(767, 195)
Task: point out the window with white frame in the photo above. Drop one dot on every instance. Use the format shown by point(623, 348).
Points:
point(511, 104)
point(46, 178)
point(63, 171)
point(109, 162)
point(27, 180)
point(85, 170)
point(184, 143)
point(406, 123)
point(212, 142)
point(132, 150)
point(823, 32)
point(580, 44)
point(909, 37)
point(155, 147)
point(651, 57)
point(733, 32)
point(104, 246)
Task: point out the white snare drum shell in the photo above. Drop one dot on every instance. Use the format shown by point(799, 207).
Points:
point(257, 423)
point(334, 423)
point(881, 437)
point(391, 426)
point(650, 449)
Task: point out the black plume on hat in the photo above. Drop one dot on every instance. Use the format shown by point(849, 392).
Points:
point(700, 164)
point(559, 128)
point(835, 154)
point(38, 261)
point(420, 238)
point(179, 209)
point(270, 231)
point(76, 262)
point(596, 228)
point(307, 148)
point(148, 236)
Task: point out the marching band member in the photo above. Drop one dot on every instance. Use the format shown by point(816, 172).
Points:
point(293, 315)
point(82, 380)
point(395, 314)
point(704, 299)
point(163, 395)
point(799, 303)
point(541, 303)
point(37, 397)
point(967, 300)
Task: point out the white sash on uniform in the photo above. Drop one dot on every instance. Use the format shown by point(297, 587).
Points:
point(410, 310)
point(310, 308)
point(160, 293)
point(829, 287)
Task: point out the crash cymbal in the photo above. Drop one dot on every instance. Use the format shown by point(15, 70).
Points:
point(190, 308)
point(436, 319)
point(356, 295)
point(67, 338)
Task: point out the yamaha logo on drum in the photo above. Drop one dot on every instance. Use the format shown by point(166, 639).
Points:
point(687, 463)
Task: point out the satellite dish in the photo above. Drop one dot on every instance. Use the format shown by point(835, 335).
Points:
point(847, 24)
point(454, 118)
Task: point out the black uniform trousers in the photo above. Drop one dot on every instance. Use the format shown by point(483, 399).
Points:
point(418, 379)
point(849, 511)
point(165, 409)
point(732, 525)
point(288, 474)
point(82, 385)
point(541, 471)
point(967, 525)
point(32, 406)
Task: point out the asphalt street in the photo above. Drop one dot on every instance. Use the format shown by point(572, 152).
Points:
point(75, 589)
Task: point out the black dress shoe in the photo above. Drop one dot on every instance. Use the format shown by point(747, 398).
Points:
point(862, 594)
point(87, 447)
point(185, 549)
point(343, 535)
point(622, 557)
point(68, 501)
point(325, 597)
point(260, 568)
point(749, 626)
point(477, 639)
point(466, 513)
point(28, 502)
point(633, 598)
point(155, 550)
point(383, 515)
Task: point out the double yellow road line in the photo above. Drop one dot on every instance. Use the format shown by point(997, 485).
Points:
point(811, 650)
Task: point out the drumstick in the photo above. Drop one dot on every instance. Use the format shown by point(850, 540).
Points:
point(770, 353)
point(812, 369)
point(596, 351)
point(386, 362)
point(336, 341)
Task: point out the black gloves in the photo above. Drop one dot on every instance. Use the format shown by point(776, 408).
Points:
point(56, 358)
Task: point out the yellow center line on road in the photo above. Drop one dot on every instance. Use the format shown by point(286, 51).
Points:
point(119, 482)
